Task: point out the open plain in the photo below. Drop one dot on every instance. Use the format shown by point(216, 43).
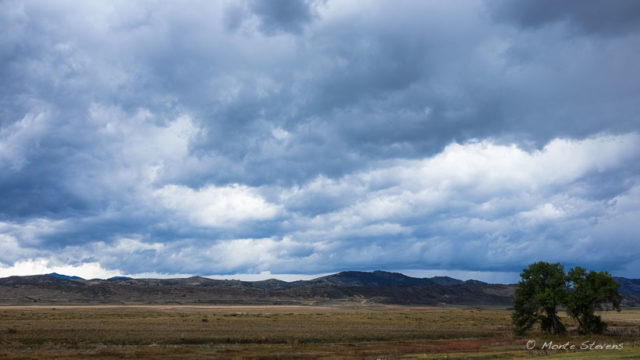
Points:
point(293, 332)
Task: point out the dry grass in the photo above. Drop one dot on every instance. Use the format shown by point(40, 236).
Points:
point(274, 332)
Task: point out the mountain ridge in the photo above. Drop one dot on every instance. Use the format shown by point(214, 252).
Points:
point(344, 287)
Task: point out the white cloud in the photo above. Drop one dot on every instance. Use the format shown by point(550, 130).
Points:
point(280, 134)
point(142, 148)
point(257, 255)
point(483, 174)
point(543, 212)
point(489, 167)
point(44, 266)
point(133, 245)
point(213, 206)
point(32, 231)
point(20, 139)
point(10, 248)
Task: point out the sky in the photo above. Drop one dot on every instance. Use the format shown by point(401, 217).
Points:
point(291, 138)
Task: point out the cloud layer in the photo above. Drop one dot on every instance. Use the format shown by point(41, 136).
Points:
point(317, 136)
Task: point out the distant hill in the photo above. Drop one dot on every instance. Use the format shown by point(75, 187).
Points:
point(630, 290)
point(60, 276)
point(378, 278)
point(345, 287)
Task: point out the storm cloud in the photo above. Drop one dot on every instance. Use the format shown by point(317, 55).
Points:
point(309, 137)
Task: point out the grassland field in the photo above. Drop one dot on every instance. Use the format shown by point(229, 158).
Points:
point(293, 332)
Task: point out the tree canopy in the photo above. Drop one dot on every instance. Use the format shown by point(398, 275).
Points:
point(588, 292)
point(538, 295)
point(545, 287)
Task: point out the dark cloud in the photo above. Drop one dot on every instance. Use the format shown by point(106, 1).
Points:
point(283, 15)
point(591, 16)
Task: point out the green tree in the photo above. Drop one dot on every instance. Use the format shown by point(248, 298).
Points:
point(588, 292)
point(541, 290)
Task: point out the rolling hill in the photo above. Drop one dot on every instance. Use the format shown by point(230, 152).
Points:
point(344, 287)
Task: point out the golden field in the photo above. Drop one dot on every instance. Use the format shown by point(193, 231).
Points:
point(290, 332)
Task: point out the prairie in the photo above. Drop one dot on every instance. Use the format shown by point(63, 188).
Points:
point(291, 332)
